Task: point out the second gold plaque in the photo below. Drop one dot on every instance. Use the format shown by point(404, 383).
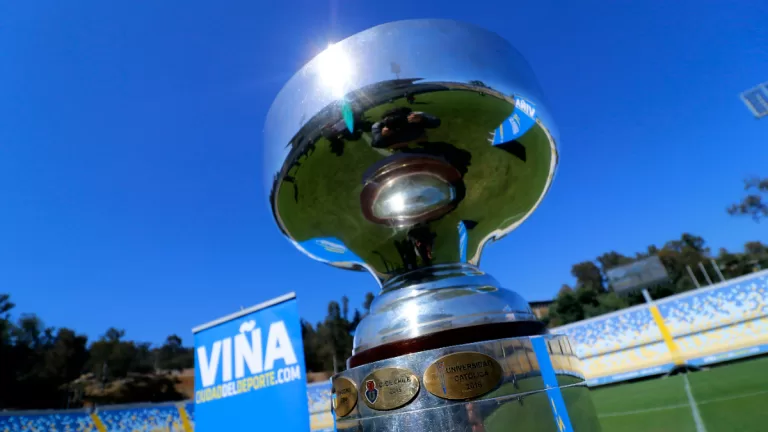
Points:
point(462, 375)
point(389, 388)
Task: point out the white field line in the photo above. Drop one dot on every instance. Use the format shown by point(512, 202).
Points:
point(685, 405)
point(694, 408)
point(641, 411)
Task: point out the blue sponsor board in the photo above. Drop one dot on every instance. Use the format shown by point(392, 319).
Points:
point(656, 370)
point(556, 402)
point(463, 239)
point(728, 355)
point(329, 249)
point(522, 119)
point(348, 115)
point(249, 370)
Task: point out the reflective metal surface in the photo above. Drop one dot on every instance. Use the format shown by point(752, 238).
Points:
point(462, 375)
point(389, 388)
point(436, 299)
point(521, 401)
point(387, 146)
point(403, 150)
point(344, 396)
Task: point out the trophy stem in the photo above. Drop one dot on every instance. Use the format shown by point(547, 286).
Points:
point(440, 276)
point(438, 306)
point(457, 336)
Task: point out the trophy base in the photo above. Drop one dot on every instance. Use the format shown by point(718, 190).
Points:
point(529, 383)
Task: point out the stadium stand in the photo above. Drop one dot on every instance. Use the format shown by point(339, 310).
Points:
point(320, 418)
point(145, 418)
point(190, 408)
point(169, 417)
point(70, 421)
point(709, 325)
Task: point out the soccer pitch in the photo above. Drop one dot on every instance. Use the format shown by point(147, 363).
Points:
point(732, 397)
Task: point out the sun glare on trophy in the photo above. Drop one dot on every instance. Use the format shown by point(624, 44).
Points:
point(335, 70)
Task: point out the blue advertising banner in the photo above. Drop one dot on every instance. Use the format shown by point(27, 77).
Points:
point(249, 370)
point(728, 355)
point(329, 249)
point(462, 242)
point(522, 119)
point(610, 379)
point(559, 411)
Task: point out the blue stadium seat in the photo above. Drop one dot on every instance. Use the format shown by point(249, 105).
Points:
point(74, 421)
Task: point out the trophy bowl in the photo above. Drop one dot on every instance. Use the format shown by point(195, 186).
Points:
point(402, 151)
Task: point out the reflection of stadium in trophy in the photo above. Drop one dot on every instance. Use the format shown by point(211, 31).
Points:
point(381, 113)
point(400, 126)
point(409, 179)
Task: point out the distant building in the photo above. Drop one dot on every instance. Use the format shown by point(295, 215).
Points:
point(541, 308)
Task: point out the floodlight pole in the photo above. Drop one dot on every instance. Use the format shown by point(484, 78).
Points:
point(693, 277)
point(706, 275)
point(717, 270)
point(647, 296)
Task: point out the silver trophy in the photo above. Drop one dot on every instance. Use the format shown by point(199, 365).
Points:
point(403, 150)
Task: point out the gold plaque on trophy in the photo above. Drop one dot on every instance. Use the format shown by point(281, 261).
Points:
point(462, 375)
point(389, 388)
point(343, 396)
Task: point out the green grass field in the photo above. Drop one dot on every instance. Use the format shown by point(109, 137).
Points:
point(732, 397)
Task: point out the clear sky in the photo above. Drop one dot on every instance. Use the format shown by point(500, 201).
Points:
point(130, 146)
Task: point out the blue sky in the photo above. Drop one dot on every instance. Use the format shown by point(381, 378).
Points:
point(130, 146)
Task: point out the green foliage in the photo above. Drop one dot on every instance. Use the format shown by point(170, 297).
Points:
point(45, 368)
point(592, 295)
point(328, 345)
point(754, 203)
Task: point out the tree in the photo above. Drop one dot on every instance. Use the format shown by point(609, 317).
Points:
point(312, 358)
point(565, 309)
point(588, 275)
point(733, 264)
point(612, 259)
point(755, 203)
point(172, 355)
point(605, 303)
point(329, 343)
point(8, 370)
point(756, 249)
point(368, 301)
point(344, 307)
point(591, 296)
point(5, 319)
point(66, 358)
point(356, 318)
point(44, 367)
